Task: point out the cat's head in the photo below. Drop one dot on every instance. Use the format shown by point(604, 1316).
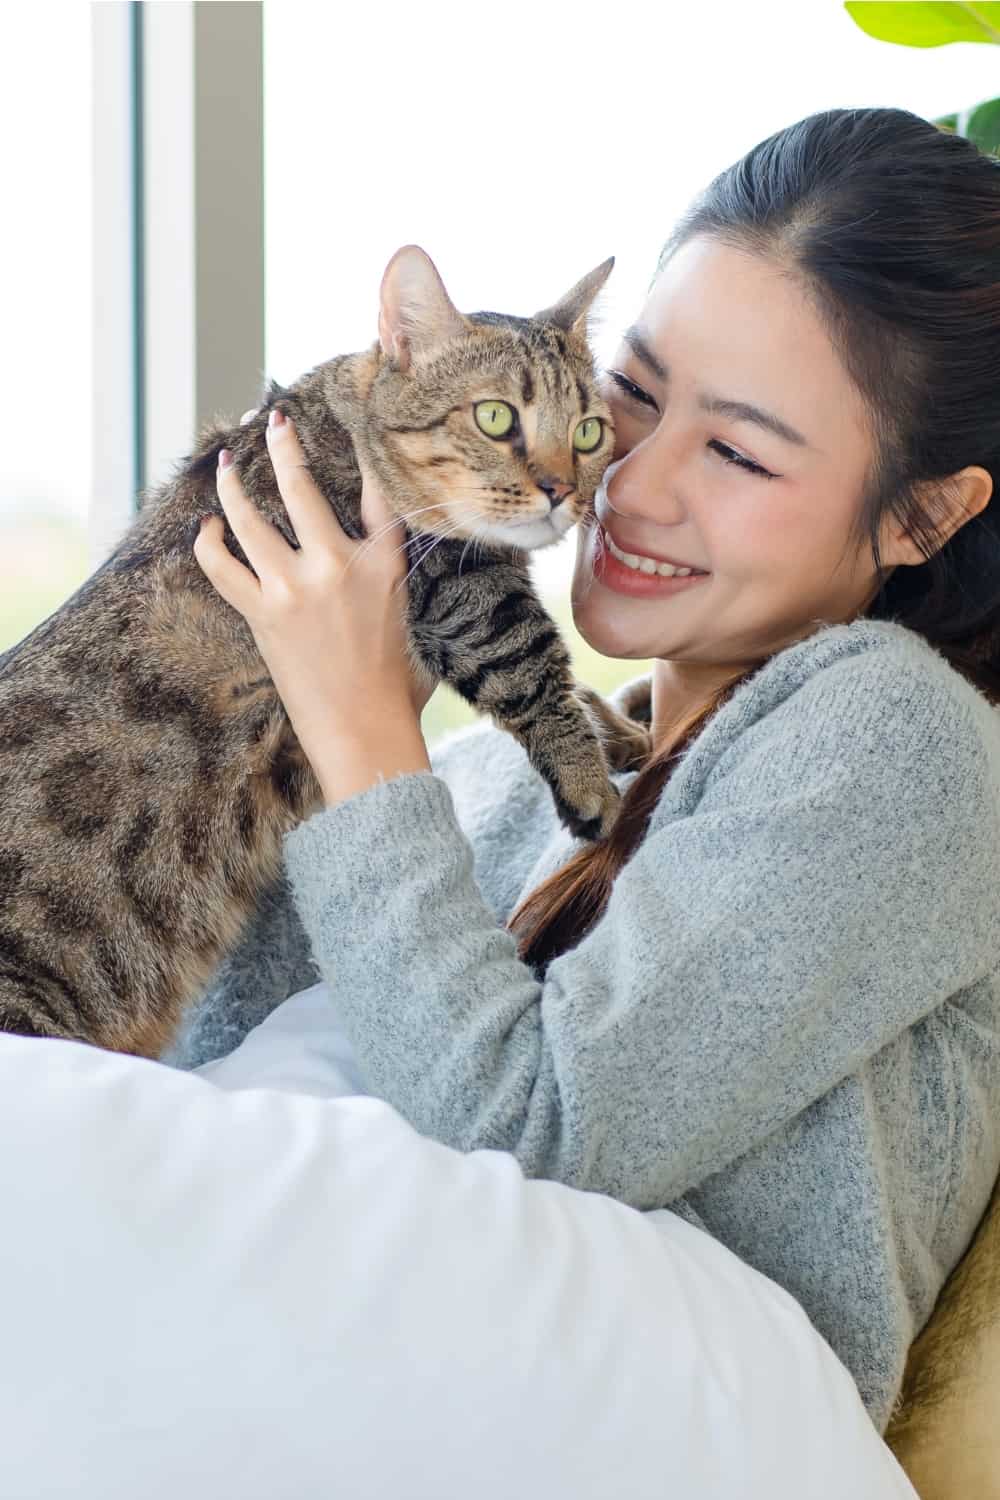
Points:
point(485, 425)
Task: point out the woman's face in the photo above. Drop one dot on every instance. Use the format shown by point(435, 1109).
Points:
point(726, 372)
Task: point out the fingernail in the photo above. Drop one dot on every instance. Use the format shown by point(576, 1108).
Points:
point(276, 418)
point(225, 458)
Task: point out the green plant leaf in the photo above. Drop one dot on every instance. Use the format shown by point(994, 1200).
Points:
point(981, 124)
point(926, 25)
point(947, 122)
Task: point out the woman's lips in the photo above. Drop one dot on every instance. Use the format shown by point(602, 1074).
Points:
point(625, 580)
point(654, 557)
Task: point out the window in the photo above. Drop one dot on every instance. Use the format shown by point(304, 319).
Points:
point(45, 287)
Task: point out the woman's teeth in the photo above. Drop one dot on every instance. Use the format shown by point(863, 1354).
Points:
point(646, 564)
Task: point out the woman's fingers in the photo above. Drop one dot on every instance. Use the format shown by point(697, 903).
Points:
point(313, 520)
point(322, 540)
point(265, 547)
point(228, 576)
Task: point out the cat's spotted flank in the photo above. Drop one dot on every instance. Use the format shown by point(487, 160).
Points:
point(148, 771)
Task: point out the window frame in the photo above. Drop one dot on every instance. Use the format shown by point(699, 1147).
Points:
point(178, 238)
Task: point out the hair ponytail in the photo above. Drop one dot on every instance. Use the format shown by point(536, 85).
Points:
point(563, 909)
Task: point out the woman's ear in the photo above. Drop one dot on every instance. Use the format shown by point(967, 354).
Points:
point(416, 315)
point(974, 485)
point(951, 503)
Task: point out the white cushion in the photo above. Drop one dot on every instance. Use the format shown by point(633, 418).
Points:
point(232, 1291)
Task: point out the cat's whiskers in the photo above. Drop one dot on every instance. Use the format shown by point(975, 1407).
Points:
point(427, 540)
point(369, 541)
point(427, 552)
point(433, 538)
point(599, 548)
point(475, 542)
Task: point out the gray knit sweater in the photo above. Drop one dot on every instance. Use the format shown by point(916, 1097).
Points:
point(786, 1026)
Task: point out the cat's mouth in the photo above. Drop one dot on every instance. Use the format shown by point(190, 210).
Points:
point(539, 531)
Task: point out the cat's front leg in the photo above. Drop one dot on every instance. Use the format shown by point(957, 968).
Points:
point(517, 670)
point(562, 746)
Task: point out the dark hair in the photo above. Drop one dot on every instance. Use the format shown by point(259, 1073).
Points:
point(892, 226)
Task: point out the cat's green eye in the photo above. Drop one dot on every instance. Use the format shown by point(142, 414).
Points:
point(495, 418)
point(588, 434)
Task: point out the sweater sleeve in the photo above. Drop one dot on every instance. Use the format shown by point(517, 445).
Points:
point(835, 882)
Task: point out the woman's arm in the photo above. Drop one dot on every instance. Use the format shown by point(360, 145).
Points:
point(822, 897)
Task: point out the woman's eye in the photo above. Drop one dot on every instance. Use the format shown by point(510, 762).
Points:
point(731, 457)
point(636, 394)
point(632, 391)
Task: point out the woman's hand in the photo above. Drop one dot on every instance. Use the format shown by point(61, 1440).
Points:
point(329, 620)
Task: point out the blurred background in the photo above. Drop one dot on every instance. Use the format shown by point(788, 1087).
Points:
point(200, 195)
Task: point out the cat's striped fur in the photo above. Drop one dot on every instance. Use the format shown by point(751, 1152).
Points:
point(147, 769)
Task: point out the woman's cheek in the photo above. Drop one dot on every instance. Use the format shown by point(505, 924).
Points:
point(626, 437)
point(629, 431)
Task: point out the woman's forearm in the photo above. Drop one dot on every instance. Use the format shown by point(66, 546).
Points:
point(378, 748)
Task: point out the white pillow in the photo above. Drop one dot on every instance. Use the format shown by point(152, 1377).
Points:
point(259, 1294)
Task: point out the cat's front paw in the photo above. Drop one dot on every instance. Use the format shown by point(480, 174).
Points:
point(588, 810)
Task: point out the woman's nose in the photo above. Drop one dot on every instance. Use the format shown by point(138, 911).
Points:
point(642, 487)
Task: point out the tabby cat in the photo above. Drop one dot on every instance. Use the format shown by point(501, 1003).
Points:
point(148, 769)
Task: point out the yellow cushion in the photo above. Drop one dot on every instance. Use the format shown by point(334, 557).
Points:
point(946, 1430)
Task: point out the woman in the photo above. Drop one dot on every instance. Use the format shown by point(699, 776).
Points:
point(770, 1001)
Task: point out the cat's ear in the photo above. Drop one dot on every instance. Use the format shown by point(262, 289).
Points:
point(415, 312)
point(570, 312)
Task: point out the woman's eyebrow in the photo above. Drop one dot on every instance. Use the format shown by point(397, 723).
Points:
point(742, 411)
point(643, 352)
point(719, 406)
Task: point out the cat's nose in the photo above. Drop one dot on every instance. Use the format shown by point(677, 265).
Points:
point(556, 492)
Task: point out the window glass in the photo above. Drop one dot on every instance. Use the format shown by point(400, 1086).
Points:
point(45, 311)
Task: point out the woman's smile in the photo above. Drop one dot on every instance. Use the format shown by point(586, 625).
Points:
point(641, 579)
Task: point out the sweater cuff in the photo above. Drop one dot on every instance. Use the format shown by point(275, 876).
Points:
point(371, 839)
